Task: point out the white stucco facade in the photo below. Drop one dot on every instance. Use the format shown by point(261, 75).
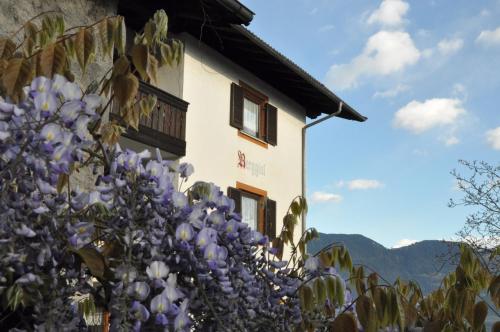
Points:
point(213, 146)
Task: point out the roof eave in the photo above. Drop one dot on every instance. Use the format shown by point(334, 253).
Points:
point(353, 115)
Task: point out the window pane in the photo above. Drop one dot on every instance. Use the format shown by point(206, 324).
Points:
point(249, 211)
point(250, 117)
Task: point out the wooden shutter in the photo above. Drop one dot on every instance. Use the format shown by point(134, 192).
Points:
point(235, 194)
point(236, 114)
point(270, 226)
point(271, 124)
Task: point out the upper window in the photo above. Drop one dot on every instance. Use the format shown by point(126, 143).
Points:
point(253, 115)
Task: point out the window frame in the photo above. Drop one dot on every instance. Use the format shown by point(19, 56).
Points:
point(260, 196)
point(256, 198)
point(261, 100)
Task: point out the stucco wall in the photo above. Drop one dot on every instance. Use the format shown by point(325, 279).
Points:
point(14, 13)
point(213, 145)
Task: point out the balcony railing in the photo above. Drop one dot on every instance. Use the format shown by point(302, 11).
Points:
point(165, 128)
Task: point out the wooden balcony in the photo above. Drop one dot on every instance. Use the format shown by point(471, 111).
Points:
point(165, 128)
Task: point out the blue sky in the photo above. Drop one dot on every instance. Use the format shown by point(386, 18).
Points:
point(427, 75)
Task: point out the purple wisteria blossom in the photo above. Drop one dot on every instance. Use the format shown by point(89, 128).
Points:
point(152, 256)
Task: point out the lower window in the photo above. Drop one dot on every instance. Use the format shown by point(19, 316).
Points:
point(250, 210)
point(256, 209)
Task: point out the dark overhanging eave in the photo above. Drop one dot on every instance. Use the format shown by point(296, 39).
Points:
point(347, 111)
point(238, 9)
point(224, 32)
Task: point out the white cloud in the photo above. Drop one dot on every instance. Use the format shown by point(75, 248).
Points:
point(391, 93)
point(418, 117)
point(364, 184)
point(427, 53)
point(493, 138)
point(403, 243)
point(489, 37)
point(452, 140)
point(390, 13)
point(327, 27)
point(324, 197)
point(386, 52)
point(450, 46)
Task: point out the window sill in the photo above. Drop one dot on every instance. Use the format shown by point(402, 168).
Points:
point(252, 139)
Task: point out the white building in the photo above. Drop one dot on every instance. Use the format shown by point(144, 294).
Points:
point(247, 106)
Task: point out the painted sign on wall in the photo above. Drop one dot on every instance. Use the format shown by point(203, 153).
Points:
point(256, 169)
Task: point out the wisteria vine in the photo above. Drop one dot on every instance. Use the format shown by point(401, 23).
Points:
point(150, 254)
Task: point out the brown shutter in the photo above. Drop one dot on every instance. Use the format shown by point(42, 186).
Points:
point(235, 194)
point(270, 226)
point(236, 116)
point(272, 124)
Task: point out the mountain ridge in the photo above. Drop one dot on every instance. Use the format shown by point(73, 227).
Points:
point(426, 262)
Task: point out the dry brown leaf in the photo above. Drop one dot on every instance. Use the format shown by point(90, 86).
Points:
point(52, 60)
point(7, 47)
point(140, 59)
point(125, 88)
point(84, 47)
point(16, 75)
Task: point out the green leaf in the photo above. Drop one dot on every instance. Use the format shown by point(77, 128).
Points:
point(401, 313)
point(120, 35)
point(303, 204)
point(320, 291)
point(296, 208)
point(331, 288)
point(381, 308)
point(306, 297)
point(392, 306)
point(160, 20)
point(14, 296)
point(94, 261)
point(339, 290)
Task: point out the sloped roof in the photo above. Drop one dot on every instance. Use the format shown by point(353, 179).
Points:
point(219, 24)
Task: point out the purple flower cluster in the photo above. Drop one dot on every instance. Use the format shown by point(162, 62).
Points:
point(157, 258)
point(42, 138)
point(195, 263)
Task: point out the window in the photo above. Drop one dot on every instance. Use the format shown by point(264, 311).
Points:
point(250, 211)
point(253, 115)
point(256, 209)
